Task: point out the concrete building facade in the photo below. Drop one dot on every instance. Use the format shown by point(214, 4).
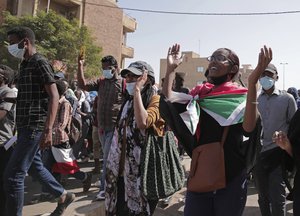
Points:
point(109, 24)
point(194, 67)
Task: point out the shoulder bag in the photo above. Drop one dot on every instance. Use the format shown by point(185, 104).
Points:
point(208, 167)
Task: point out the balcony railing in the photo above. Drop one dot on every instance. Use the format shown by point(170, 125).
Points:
point(68, 2)
point(127, 52)
point(129, 23)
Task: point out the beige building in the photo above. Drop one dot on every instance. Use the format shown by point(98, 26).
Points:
point(194, 67)
point(109, 24)
point(245, 71)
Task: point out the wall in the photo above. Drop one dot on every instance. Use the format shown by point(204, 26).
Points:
point(108, 33)
point(192, 62)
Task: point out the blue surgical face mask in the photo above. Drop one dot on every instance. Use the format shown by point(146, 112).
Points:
point(130, 87)
point(108, 74)
point(15, 51)
point(266, 82)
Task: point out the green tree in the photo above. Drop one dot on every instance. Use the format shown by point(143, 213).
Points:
point(57, 38)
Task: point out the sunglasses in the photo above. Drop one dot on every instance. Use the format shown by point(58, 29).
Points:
point(219, 58)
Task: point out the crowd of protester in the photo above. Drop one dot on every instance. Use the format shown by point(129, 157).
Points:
point(40, 111)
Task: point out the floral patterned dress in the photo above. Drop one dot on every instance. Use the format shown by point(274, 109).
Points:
point(136, 202)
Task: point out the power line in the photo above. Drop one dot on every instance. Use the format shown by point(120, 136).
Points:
point(197, 13)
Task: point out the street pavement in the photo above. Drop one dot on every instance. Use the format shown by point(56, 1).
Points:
point(84, 205)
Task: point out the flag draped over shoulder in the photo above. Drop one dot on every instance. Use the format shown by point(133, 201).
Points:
point(225, 109)
point(226, 104)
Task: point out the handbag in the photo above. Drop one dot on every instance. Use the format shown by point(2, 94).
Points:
point(161, 171)
point(207, 171)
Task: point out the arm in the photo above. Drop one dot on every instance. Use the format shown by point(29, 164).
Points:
point(81, 113)
point(46, 139)
point(250, 117)
point(5, 105)
point(173, 61)
point(281, 139)
point(80, 75)
point(140, 113)
point(85, 109)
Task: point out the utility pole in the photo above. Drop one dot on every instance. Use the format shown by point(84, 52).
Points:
point(283, 73)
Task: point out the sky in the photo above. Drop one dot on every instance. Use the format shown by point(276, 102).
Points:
point(203, 34)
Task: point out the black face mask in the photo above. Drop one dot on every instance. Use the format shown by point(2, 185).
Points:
point(218, 80)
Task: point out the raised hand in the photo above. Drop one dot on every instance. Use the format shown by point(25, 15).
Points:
point(264, 58)
point(140, 82)
point(281, 139)
point(173, 58)
point(80, 60)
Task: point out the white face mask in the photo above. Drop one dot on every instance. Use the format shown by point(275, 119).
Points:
point(15, 51)
point(108, 74)
point(266, 82)
point(130, 87)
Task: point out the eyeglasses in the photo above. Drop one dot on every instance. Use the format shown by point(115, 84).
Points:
point(219, 58)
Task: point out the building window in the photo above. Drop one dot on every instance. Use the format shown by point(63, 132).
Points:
point(200, 69)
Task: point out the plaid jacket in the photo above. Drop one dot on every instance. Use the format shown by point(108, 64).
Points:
point(62, 122)
point(110, 99)
point(32, 100)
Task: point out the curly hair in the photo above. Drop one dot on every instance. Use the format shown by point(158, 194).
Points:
point(110, 60)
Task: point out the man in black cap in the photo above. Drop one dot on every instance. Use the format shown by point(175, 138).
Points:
point(276, 108)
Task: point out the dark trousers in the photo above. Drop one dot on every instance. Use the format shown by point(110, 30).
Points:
point(296, 206)
point(229, 201)
point(26, 158)
point(296, 203)
point(271, 190)
point(4, 158)
point(121, 204)
point(79, 149)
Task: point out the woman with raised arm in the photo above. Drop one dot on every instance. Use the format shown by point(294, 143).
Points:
point(227, 112)
point(123, 195)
